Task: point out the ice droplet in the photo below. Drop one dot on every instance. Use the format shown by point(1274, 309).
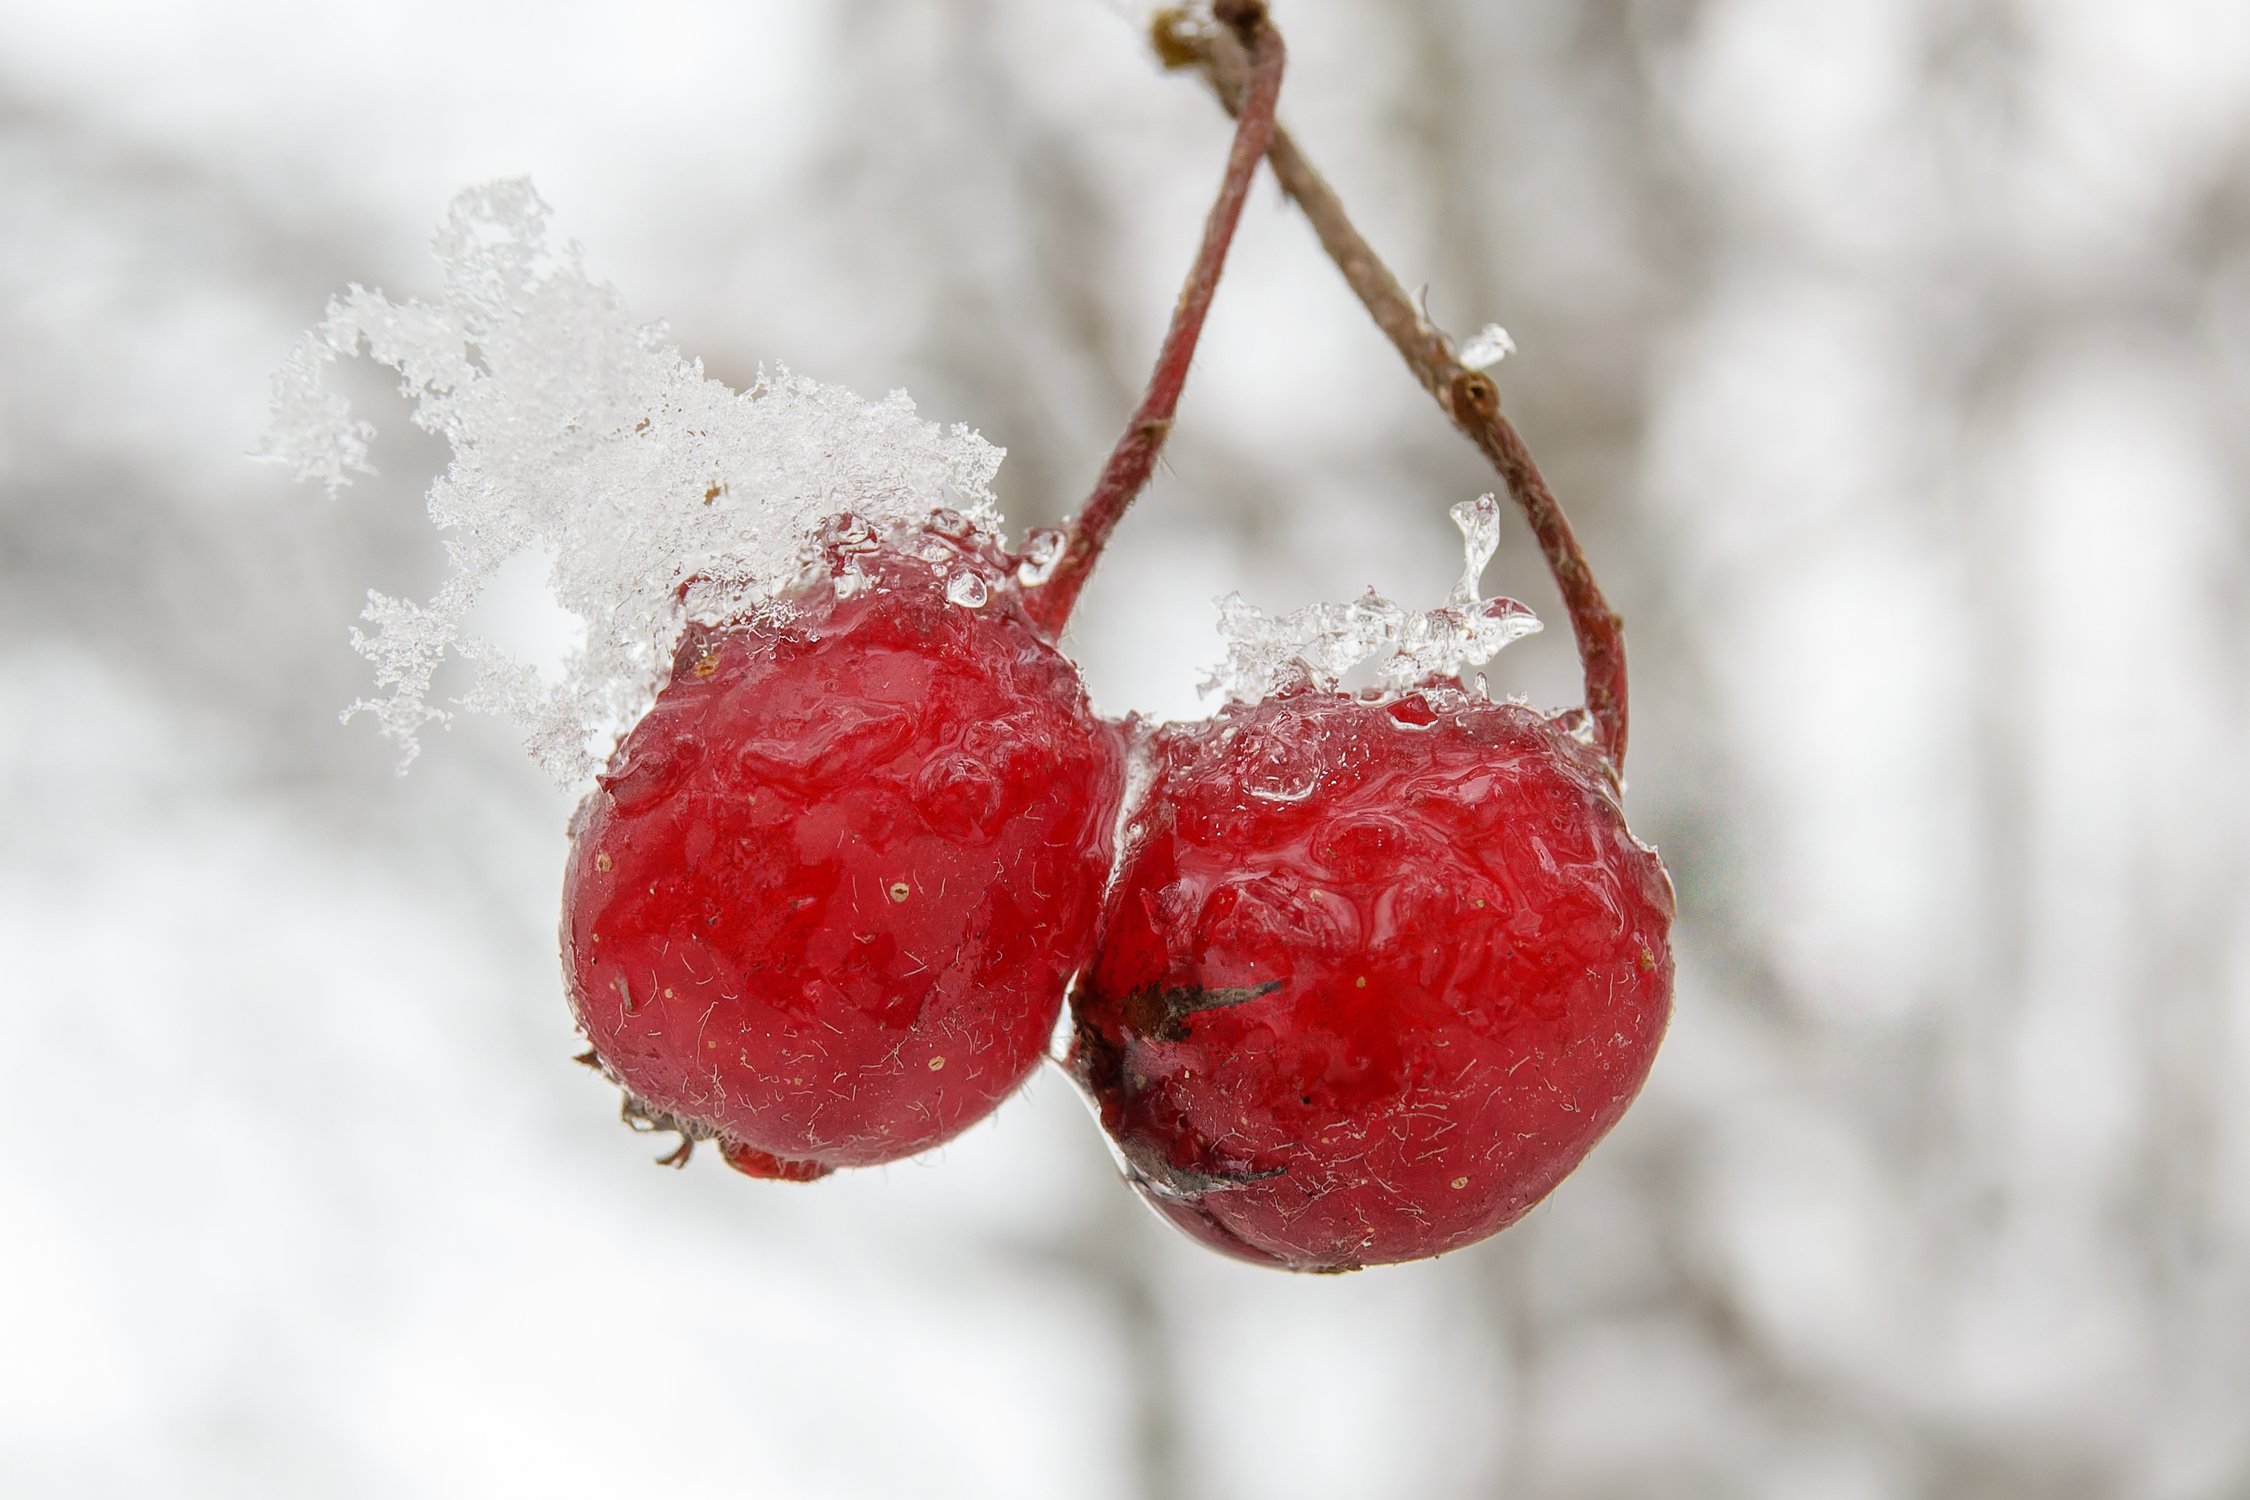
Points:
point(1479, 523)
point(580, 430)
point(1042, 550)
point(1281, 784)
point(965, 589)
point(850, 532)
point(1320, 643)
point(1487, 347)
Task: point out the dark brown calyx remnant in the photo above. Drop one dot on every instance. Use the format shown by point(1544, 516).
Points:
point(1161, 1013)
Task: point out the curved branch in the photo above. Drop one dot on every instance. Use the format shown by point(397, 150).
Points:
point(1467, 396)
point(1258, 49)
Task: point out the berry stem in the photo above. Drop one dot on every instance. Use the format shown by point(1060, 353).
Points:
point(1466, 396)
point(1259, 53)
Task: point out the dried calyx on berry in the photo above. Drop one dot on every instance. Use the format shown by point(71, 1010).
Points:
point(1378, 968)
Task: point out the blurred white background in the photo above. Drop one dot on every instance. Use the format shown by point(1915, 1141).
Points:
point(1892, 356)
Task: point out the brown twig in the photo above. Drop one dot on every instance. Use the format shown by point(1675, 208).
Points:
point(1259, 55)
point(1467, 396)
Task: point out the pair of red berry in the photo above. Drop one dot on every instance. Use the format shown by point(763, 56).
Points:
point(1368, 975)
point(1372, 973)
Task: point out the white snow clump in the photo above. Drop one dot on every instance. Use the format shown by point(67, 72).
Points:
point(660, 495)
point(1487, 347)
point(1319, 644)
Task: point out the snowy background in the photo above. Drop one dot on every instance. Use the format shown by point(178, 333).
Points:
point(1892, 356)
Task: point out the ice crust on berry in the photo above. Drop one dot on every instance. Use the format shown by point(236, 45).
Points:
point(827, 898)
point(1319, 644)
point(1364, 996)
point(660, 495)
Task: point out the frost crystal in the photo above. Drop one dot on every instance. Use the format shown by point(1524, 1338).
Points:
point(1042, 552)
point(1487, 347)
point(659, 495)
point(1322, 642)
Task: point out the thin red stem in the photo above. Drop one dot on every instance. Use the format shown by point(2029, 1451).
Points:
point(1467, 396)
point(1133, 460)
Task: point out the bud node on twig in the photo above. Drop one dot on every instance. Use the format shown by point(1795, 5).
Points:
point(1475, 399)
point(1242, 17)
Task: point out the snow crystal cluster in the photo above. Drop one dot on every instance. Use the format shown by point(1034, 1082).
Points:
point(659, 495)
point(1487, 347)
point(1320, 643)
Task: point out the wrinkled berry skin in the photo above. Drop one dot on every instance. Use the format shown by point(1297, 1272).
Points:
point(826, 899)
point(1374, 977)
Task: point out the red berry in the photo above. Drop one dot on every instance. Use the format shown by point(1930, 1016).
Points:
point(1374, 976)
point(825, 901)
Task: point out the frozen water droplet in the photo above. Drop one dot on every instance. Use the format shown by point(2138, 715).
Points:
point(1321, 643)
point(1507, 610)
point(965, 589)
point(851, 532)
point(1413, 712)
point(1279, 769)
point(946, 521)
point(643, 775)
point(849, 580)
point(1577, 723)
point(1479, 520)
point(1042, 549)
point(1487, 347)
point(1281, 786)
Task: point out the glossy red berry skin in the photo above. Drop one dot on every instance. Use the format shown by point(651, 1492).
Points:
point(826, 898)
point(1374, 976)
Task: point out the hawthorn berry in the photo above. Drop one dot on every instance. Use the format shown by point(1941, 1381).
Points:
point(1375, 974)
point(824, 901)
point(827, 898)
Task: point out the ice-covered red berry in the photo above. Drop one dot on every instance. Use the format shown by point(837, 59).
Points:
point(825, 900)
point(1377, 972)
